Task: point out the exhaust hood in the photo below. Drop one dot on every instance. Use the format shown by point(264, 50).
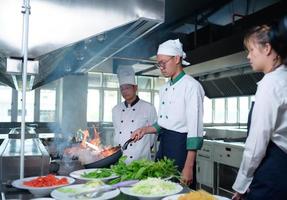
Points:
point(74, 36)
point(227, 76)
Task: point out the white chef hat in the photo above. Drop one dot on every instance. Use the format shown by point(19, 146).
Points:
point(172, 48)
point(126, 75)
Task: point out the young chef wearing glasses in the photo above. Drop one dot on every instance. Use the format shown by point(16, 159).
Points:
point(263, 171)
point(132, 114)
point(179, 121)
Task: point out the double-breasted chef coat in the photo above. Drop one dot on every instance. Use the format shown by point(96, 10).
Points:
point(181, 109)
point(264, 164)
point(126, 119)
point(180, 124)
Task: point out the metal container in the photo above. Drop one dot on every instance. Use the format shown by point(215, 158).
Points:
point(37, 158)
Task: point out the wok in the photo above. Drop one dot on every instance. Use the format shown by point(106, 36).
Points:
point(109, 160)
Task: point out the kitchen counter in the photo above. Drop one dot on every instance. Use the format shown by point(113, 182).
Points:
point(222, 142)
point(41, 136)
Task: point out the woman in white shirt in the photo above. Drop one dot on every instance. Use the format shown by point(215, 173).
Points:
point(263, 171)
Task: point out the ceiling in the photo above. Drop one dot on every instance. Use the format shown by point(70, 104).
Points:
point(74, 36)
point(69, 37)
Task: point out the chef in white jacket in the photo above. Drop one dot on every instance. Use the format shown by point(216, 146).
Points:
point(263, 171)
point(132, 114)
point(180, 123)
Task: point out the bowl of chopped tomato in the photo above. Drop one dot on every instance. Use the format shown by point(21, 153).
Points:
point(41, 186)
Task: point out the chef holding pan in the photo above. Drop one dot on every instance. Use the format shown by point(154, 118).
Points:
point(132, 114)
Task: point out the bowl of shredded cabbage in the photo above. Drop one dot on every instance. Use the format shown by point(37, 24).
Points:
point(152, 189)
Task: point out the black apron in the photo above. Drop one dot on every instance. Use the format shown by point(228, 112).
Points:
point(270, 178)
point(249, 117)
point(173, 146)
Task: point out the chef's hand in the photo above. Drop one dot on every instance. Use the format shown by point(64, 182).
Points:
point(138, 134)
point(237, 196)
point(187, 175)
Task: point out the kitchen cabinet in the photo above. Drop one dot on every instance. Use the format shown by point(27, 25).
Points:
point(205, 167)
point(205, 173)
point(228, 154)
point(217, 165)
point(227, 160)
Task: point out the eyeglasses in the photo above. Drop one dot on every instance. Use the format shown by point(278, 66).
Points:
point(162, 64)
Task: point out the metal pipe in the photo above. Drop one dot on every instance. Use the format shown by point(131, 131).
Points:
point(26, 12)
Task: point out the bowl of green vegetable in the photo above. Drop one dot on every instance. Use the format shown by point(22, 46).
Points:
point(102, 174)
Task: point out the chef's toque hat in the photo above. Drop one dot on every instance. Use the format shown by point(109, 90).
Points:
point(126, 75)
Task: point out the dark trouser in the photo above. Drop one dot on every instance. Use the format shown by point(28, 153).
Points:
point(270, 178)
point(173, 146)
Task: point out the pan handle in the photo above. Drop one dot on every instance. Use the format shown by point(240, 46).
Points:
point(125, 146)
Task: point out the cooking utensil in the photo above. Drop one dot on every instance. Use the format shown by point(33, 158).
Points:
point(109, 160)
point(126, 144)
point(106, 161)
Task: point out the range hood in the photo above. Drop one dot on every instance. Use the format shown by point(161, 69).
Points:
point(74, 36)
point(227, 76)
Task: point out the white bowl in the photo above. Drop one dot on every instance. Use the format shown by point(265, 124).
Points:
point(39, 191)
point(128, 191)
point(69, 192)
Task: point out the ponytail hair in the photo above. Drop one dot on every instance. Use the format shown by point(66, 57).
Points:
point(278, 38)
point(258, 33)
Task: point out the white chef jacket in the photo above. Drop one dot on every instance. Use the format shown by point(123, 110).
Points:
point(181, 109)
point(268, 122)
point(128, 118)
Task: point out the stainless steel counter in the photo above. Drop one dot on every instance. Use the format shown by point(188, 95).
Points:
point(40, 135)
point(36, 160)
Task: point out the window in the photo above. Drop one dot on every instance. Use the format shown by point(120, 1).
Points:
point(47, 105)
point(5, 103)
point(110, 81)
point(93, 109)
point(158, 82)
point(219, 110)
point(156, 101)
point(207, 110)
point(243, 109)
point(231, 110)
point(104, 84)
point(110, 100)
point(144, 82)
point(95, 80)
point(29, 114)
point(145, 96)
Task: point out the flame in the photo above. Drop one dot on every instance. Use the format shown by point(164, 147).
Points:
point(96, 140)
point(90, 149)
point(85, 137)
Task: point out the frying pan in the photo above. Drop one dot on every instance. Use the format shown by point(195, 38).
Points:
point(109, 160)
